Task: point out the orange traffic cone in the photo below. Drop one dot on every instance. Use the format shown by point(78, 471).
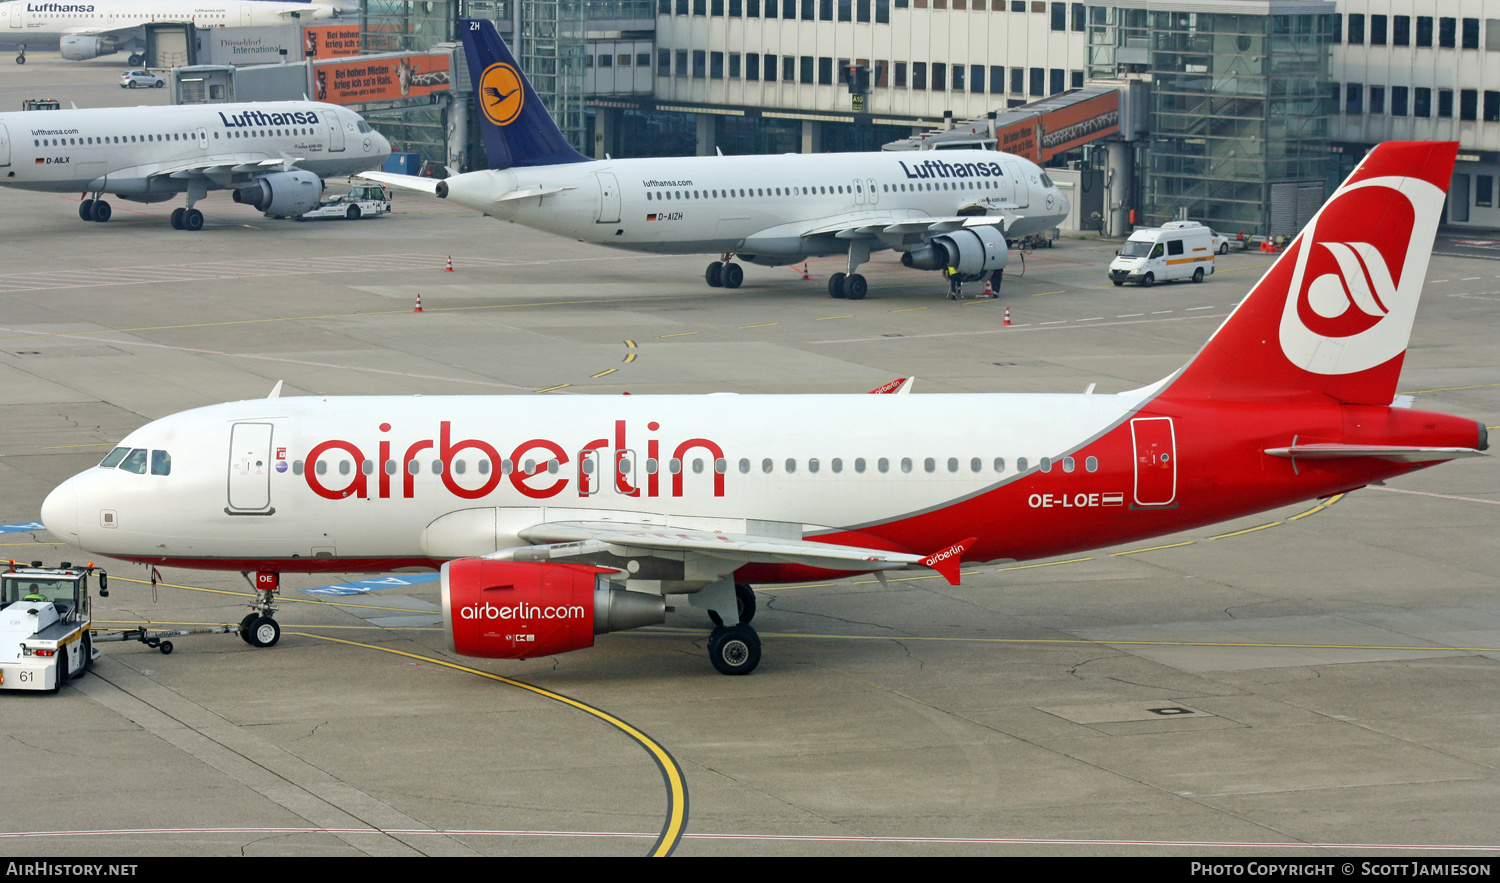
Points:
point(989, 290)
point(1007, 316)
point(450, 264)
point(419, 303)
point(805, 277)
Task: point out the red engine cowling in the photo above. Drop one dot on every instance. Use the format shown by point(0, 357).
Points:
point(522, 609)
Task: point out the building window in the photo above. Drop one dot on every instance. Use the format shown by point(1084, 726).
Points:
point(1400, 30)
point(1058, 81)
point(900, 75)
point(825, 71)
point(939, 76)
point(789, 69)
point(752, 65)
point(770, 68)
point(1399, 97)
point(1445, 102)
point(1377, 30)
point(752, 8)
point(1471, 33)
point(736, 8)
point(682, 59)
point(919, 75)
point(1354, 98)
point(1468, 104)
point(976, 78)
point(682, 7)
point(1356, 33)
point(808, 74)
point(734, 65)
point(1492, 34)
point(1421, 105)
point(883, 11)
point(807, 9)
point(1377, 100)
point(1075, 80)
point(1338, 27)
point(1017, 5)
point(716, 7)
point(1491, 106)
point(1059, 16)
point(1038, 81)
point(825, 10)
point(997, 80)
point(663, 7)
point(1447, 32)
point(700, 7)
point(846, 10)
point(1080, 17)
point(1018, 80)
point(716, 65)
point(1424, 30)
point(958, 78)
point(862, 10)
point(664, 62)
point(700, 63)
point(1484, 191)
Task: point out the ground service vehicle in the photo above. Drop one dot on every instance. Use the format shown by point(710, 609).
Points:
point(139, 79)
point(44, 625)
point(1176, 250)
point(362, 201)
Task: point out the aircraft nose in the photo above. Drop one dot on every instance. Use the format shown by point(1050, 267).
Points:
point(60, 511)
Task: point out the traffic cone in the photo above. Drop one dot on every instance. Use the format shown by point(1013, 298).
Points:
point(419, 303)
point(1007, 316)
point(450, 264)
point(989, 290)
point(805, 277)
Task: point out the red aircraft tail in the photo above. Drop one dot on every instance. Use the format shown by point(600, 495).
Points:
point(1330, 320)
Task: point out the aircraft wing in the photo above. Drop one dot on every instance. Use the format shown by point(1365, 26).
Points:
point(714, 551)
point(101, 32)
point(863, 225)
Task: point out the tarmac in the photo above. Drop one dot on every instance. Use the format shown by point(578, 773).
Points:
point(1315, 681)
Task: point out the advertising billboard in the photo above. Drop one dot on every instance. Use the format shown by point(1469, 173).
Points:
point(367, 78)
point(330, 41)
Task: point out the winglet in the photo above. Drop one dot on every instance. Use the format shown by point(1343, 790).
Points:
point(899, 386)
point(948, 561)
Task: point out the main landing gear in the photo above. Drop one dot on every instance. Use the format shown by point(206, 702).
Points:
point(190, 218)
point(851, 285)
point(94, 209)
point(724, 274)
point(21, 52)
point(259, 628)
point(733, 649)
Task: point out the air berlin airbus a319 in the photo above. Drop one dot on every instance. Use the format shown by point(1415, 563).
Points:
point(554, 519)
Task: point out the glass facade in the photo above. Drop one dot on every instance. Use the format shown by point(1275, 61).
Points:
point(1240, 107)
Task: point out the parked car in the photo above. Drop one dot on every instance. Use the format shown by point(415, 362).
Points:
point(1221, 242)
point(137, 79)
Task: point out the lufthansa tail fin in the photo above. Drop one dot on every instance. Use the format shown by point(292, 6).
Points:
point(1332, 317)
point(517, 129)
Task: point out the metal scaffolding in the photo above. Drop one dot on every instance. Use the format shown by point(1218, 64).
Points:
point(552, 55)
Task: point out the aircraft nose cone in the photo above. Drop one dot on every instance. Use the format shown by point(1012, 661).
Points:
point(60, 511)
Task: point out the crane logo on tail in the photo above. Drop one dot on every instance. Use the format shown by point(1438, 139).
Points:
point(1359, 269)
point(500, 93)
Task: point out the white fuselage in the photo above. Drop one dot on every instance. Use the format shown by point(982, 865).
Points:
point(391, 478)
point(129, 151)
point(23, 21)
point(760, 204)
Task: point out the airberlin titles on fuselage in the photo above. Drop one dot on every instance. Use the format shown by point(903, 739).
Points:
point(529, 467)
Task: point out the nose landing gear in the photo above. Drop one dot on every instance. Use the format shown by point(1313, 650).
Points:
point(259, 628)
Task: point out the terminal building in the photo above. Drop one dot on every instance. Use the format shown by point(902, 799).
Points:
point(1242, 114)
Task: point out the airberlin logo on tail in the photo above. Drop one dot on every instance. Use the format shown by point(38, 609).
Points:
point(1358, 273)
point(501, 94)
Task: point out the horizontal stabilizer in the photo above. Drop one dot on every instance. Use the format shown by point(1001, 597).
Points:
point(948, 561)
point(899, 387)
point(1396, 453)
point(401, 182)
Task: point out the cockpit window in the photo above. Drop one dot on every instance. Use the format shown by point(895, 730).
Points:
point(161, 463)
point(1046, 181)
point(114, 458)
point(364, 126)
point(135, 462)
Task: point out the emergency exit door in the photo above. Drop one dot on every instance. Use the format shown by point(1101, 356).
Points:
point(1155, 461)
point(250, 469)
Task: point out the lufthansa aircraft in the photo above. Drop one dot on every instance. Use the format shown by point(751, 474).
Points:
point(952, 211)
point(271, 154)
point(93, 28)
point(554, 519)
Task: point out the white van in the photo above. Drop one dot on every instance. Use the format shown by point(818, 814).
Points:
point(1175, 250)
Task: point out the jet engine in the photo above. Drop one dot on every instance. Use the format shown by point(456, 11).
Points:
point(75, 48)
point(285, 194)
point(522, 610)
point(972, 251)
